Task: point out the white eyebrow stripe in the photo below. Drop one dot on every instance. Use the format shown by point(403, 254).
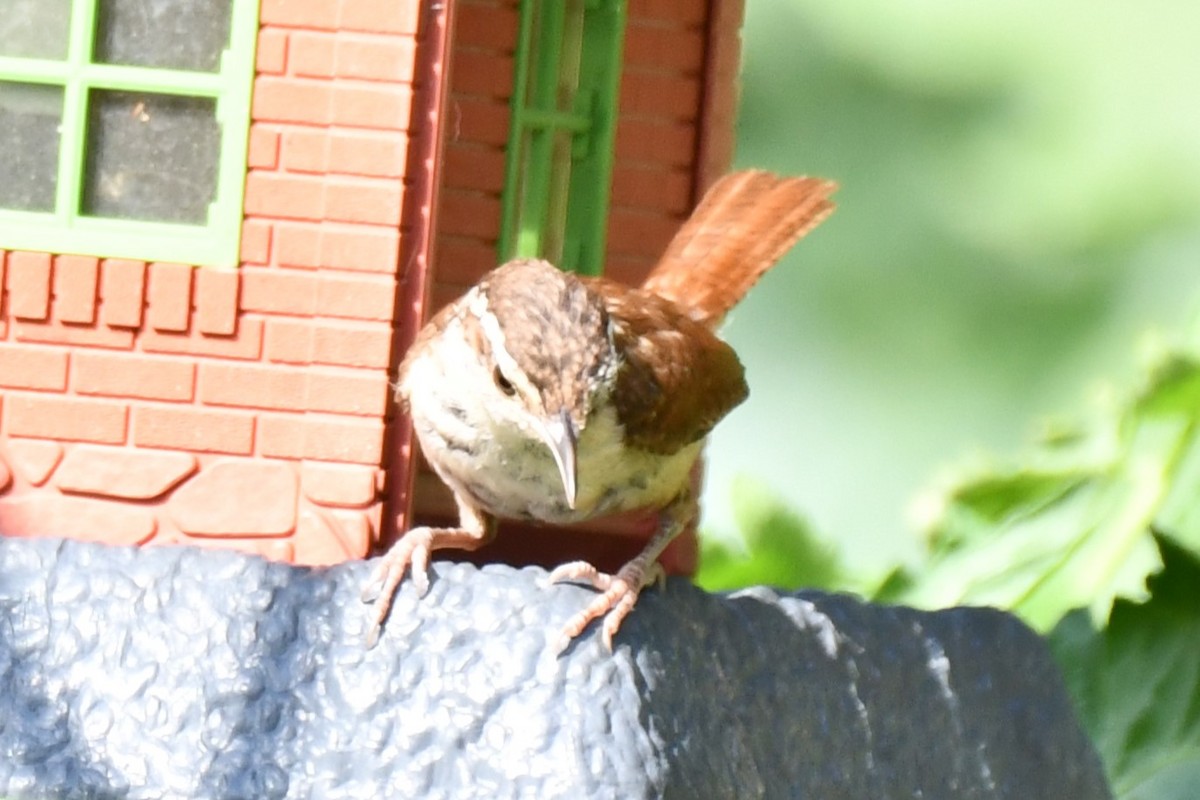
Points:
point(478, 306)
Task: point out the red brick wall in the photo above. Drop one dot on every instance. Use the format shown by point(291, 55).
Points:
point(719, 103)
point(162, 402)
point(662, 160)
point(654, 175)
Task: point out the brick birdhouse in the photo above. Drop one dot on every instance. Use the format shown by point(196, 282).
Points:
point(221, 225)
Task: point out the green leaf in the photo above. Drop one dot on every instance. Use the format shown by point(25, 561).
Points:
point(1136, 683)
point(1174, 386)
point(781, 547)
point(995, 499)
point(1179, 517)
point(1085, 545)
point(1074, 525)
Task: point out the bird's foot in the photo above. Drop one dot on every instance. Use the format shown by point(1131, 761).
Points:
point(412, 550)
point(619, 594)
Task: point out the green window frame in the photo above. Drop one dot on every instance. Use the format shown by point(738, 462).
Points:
point(558, 170)
point(80, 76)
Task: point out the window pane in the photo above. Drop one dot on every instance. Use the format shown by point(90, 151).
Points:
point(29, 123)
point(34, 28)
point(151, 156)
point(172, 34)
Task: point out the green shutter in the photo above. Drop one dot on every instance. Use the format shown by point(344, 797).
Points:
point(94, 95)
point(560, 146)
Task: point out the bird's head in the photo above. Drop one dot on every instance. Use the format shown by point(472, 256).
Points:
point(544, 337)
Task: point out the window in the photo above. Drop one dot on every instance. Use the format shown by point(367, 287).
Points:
point(123, 125)
point(560, 146)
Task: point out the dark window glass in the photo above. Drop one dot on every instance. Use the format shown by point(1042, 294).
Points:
point(171, 34)
point(151, 157)
point(30, 116)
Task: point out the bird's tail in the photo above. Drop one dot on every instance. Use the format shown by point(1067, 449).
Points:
point(744, 224)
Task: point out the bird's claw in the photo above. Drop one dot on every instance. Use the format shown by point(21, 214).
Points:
point(618, 595)
point(411, 552)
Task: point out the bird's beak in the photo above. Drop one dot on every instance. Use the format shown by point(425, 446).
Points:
point(559, 434)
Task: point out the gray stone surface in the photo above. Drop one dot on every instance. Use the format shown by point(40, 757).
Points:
point(174, 672)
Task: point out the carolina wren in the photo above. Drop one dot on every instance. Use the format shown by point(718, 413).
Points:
point(541, 395)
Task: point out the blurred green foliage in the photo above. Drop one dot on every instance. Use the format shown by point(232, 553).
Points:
point(1073, 524)
point(1020, 198)
point(779, 548)
point(1020, 202)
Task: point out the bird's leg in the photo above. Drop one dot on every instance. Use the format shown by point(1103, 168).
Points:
point(620, 592)
point(413, 549)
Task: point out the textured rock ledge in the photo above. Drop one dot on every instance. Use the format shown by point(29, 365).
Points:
point(188, 673)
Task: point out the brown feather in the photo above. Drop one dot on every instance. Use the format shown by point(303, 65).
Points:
point(677, 380)
point(742, 227)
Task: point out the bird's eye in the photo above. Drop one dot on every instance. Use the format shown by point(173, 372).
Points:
point(504, 384)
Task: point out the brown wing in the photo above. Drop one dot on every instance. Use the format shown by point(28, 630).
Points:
point(744, 224)
point(678, 379)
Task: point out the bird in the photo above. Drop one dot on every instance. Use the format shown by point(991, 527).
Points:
point(546, 396)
